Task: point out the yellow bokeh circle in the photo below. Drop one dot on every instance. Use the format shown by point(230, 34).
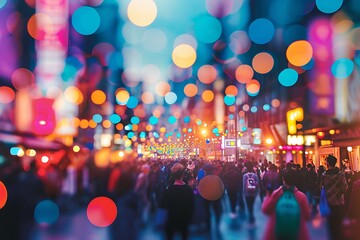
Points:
point(142, 12)
point(207, 96)
point(98, 97)
point(184, 56)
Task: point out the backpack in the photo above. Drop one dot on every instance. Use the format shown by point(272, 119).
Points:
point(287, 216)
point(251, 185)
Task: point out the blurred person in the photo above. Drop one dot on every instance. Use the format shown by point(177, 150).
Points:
point(52, 181)
point(319, 173)
point(335, 186)
point(156, 186)
point(309, 183)
point(241, 169)
point(232, 180)
point(259, 173)
point(299, 214)
point(216, 205)
point(114, 178)
point(271, 179)
point(127, 223)
point(179, 202)
point(28, 191)
point(200, 215)
point(352, 221)
point(298, 176)
point(141, 188)
point(250, 190)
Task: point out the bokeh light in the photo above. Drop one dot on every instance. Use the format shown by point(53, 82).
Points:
point(263, 62)
point(153, 120)
point(46, 212)
point(229, 100)
point(239, 42)
point(73, 95)
point(190, 90)
point(288, 77)
point(3, 195)
point(275, 103)
point(2, 3)
point(220, 8)
point(211, 187)
point(7, 95)
point(85, 20)
point(122, 96)
point(147, 98)
point(244, 73)
point(342, 68)
point(328, 6)
point(261, 31)
point(114, 118)
point(22, 78)
point(172, 120)
point(266, 107)
point(207, 96)
point(253, 86)
point(162, 88)
point(132, 102)
point(299, 53)
point(101, 211)
point(184, 56)
point(207, 29)
point(170, 98)
point(38, 24)
point(98, 97)
point(231, 90)
point(207, 74)
point(142, 12)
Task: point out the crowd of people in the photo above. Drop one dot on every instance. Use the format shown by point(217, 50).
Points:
point(166, 194)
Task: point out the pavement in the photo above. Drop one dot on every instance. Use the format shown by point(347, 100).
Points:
point(74, 225)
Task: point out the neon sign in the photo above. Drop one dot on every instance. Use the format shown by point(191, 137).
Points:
point(293, 116)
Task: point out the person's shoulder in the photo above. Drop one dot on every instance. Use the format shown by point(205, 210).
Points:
point(299, 194)
point(356, 184)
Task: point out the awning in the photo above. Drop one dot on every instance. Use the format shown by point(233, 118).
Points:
point(30, 141)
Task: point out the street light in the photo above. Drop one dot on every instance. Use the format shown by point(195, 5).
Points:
point(269, 141)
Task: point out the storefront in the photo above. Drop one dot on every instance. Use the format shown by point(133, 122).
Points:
point(343, 142)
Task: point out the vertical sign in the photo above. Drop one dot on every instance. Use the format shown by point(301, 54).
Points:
point(322, 82)
point(51, 47)
point(256, 132)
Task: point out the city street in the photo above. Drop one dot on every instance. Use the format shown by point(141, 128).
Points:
point(113, 112)
point(75, 225)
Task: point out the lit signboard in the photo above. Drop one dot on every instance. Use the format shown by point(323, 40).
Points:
point(256, 133)
point(230, 143)
point(293, 116)
point(293, 140)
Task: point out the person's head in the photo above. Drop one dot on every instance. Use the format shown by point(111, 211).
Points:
point(177, 170)
point(288, 176)
point(331, 161)
point(249, 166)
point(192, 183)
point(208, 169)
point(272, 167)
point(145, 168)
point(308, 166)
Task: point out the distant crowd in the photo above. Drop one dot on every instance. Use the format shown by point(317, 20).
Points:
point(166, 194)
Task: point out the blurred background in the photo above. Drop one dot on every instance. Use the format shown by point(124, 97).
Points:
point(103, 81)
